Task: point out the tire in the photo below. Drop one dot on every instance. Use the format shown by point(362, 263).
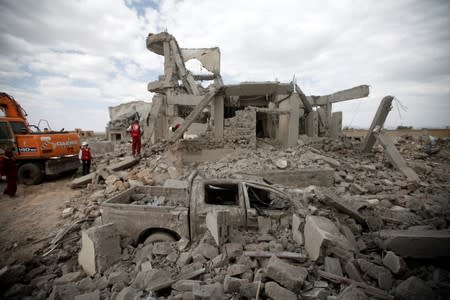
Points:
point(30, 174)
point(159, 237)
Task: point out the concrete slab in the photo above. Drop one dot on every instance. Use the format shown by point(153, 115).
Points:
point(100, 248)
point(323, 237)
point(301, 177)
point(427, 243)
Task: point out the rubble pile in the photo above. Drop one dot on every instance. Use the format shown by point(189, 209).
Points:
point(367, 236)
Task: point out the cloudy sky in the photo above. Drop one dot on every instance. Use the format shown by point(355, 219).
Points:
point(68, 61)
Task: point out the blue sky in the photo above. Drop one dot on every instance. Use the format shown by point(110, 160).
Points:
point(67, 61)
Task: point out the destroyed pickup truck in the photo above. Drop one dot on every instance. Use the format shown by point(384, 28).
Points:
point(163, 213)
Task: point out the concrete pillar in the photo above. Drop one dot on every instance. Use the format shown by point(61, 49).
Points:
point(218, 117)
point(294, 116)
point(381, 115)
point(283, 124)
point(336, 125)
point(312, 124)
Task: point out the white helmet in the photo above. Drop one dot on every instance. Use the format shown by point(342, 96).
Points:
point(84, 143)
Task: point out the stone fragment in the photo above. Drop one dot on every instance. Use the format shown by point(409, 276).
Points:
point(413, 288)
point(207, 250)
point(152, 280)
point(316, 294)
point(393, 262)
point(289, 276)
point(352, 293)
point(264, 224)
point(281, 163)
point(297, 231)
point(118, 277)
point(95, 295)
point(100, 248)
point(218, 225)
point(427, 243)
point(352, 271)
point(379, 273)
point(69, 277)
point(333, 266)
point(233, 284)
point(237, 269)
point(208, 291)
point(62, 292)
point(249, 290)
point(233, 249)
point(127, 293)
point(184, 259)
point(68, 212)
point(185, 285)
point(219, 261)
point(357, 189)
point(276, 292)
point(323, 237)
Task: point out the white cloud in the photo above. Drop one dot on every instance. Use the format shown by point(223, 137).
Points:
point(93, 52)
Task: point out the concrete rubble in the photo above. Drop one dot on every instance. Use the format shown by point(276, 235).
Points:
point(355, 228)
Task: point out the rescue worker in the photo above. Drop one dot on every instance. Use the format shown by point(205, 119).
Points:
point(174, 128)
point(10, 170)
point(85, 157)
point(136, 132)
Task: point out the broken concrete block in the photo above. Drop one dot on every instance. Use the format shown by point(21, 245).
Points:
point(68, 212)
point(233, 249)
point(323, 237)
point(237, 269)
point(217, 223)
point(127, 293)
point(249, 290)
point(207, 250)
point(185, 285)
point(289, 276)
point(264, 224)
point(413, 288)
point(352, 293)
point(393, 262)
point(69, 277)
point(352, 271)
point(95, 295)
point(208, 291)
point(333, 266)
point(62, 292)
point(153, 280)
point(82, 181)
point(162, 248)
point(427, 243)
point(219, 261)
point(184, 259)
point(233, 284)
point(316, 294)
point(297, 232)
point(100, 248)
point(357, 189)
point(379, 273)
point(276, 292)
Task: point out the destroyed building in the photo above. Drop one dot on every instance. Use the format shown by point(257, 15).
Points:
point(310, 214)
point(273, 110)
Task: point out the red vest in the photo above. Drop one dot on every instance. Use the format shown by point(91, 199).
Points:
point(85, 153)
point(135, 130)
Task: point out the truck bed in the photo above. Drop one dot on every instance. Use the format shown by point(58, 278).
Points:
point(140, 210)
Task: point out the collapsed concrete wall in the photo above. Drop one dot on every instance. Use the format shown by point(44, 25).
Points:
point(122, 115)
point(241, 129)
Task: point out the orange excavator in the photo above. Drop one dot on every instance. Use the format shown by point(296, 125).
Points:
point(37, 153)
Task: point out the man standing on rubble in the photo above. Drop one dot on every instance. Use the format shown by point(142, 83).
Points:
point(9, 169)
point(136, 132)
point(85, 156)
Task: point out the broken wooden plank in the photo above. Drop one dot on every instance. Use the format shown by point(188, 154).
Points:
point(194, 113)
point(370, 290)
point(283, 254)
point(356, 92)
point(378, 121)
point(330, 198)
point(396, 158)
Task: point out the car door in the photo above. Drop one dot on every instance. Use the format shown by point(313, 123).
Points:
point(264, 200)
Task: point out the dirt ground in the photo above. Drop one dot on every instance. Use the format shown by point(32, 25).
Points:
point(32, 217)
